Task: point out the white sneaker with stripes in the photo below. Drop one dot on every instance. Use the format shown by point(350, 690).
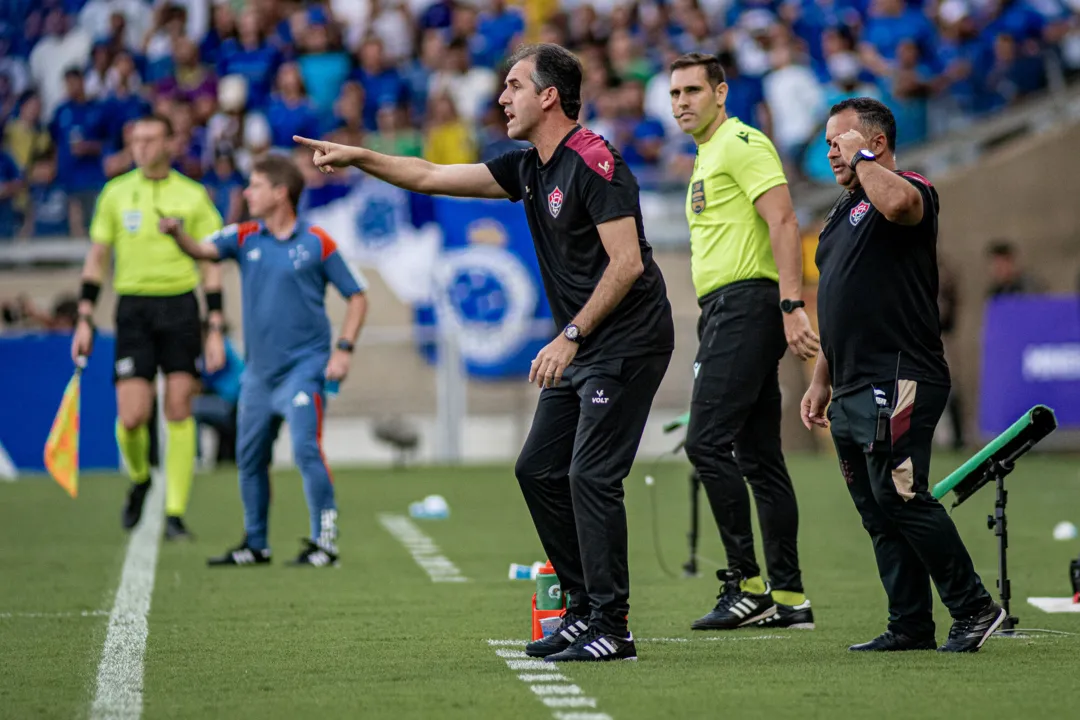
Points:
point(735, 607)
point(595, 646)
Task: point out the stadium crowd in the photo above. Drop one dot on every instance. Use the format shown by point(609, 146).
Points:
point(237, 78)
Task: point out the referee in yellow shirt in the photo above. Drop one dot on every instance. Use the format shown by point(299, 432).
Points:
point(746, 262)
point(157, 313)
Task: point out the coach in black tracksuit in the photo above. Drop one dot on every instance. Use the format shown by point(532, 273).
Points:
point(599, 375)
point(883, 362)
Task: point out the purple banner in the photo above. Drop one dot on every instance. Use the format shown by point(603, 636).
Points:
point(1031, 355)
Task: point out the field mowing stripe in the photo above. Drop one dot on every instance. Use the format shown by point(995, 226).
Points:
point(423, 549)
point(120, 674)
point(552, 688)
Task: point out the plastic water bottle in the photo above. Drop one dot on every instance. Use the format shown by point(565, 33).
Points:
point(520, 572)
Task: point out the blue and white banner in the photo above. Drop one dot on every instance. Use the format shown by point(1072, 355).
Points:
point(1031, 356)
point(487, 286)
point(373, 227)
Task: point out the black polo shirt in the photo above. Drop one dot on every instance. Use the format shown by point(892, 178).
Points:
point(878, 292)
point(584, 184)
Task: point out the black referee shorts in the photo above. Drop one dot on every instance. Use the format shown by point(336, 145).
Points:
point(157, 332)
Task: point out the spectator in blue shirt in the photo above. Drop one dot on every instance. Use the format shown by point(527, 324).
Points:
point(79, 131)
point(251, 56)
point(47, 212)
point(122, 103)
point(289, 111)
point(383, 85)
point(889, 23)
point(642, 139)
point(223, 28)
point(909, 85)
point(1012, 76)
point(323, 68)
point(498, 26)
point(225, 185)
point(746, 96)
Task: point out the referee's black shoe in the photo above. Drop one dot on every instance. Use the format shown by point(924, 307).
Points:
point(569, 630)
point(968, 634)
point(889, 641)
point(791, 617)
point(735, 607)
point(595, 646)
point(176, 530)
point(134, 506)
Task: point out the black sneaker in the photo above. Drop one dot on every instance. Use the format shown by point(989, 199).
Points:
point(176, 530)
point(595, 646)
point(133, 507)
point(736, 607)
point(968, 634)
point(792, 617)
point(314, 556)
point(889, 641)
point(564, 636)
point(242, 555)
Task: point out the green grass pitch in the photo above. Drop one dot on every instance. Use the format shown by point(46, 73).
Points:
point(376, 638)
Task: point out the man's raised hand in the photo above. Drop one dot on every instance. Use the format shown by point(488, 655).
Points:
point(328, 155)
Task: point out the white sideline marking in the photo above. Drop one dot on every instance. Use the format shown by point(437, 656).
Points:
point(84, 613)
point(422, 548)
point(541, 677)
point(120, 674)
point(570, 702)
point(555, 689)
point(552, 688)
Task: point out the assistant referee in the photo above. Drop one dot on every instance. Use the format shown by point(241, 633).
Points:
point(746, 262)
point(157, 313)
point(883, 364)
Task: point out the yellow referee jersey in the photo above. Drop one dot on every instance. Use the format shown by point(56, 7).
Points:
point(729, 241)
point(146, 262)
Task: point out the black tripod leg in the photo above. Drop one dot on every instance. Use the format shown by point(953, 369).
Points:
point(690, 568)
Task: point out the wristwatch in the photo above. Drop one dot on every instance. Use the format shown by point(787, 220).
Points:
point(788, 306)
point(345, 345)
point(573, 333)
point(863, 154)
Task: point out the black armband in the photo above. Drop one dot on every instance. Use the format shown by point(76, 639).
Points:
point(214, 301)
point(90, 290)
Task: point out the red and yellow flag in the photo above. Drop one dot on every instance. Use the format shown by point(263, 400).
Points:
point(62, 447)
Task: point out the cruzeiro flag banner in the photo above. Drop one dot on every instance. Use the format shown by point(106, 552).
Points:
point(62, 447)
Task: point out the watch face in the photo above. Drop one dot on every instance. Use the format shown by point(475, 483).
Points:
point(867, 154)
point(571, 332)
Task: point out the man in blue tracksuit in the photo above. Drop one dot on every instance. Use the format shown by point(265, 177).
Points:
point(285, 266)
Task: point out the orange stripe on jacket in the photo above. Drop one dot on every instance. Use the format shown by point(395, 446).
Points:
point(327, 242)
point(318, 435)
point(245, 229)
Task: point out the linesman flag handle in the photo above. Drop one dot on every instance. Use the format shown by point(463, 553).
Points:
point(62, 446)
